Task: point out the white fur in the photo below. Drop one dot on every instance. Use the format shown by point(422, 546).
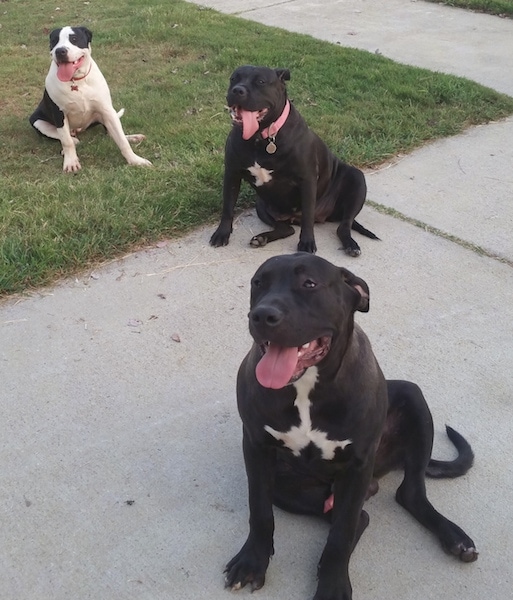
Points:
point(90, 103)
point(298, 437)
point(260, 174)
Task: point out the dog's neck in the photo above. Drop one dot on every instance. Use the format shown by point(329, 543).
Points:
point(272, 130)
point(74, 78)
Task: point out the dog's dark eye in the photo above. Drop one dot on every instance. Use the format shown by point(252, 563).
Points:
point(309, 283)
point(261, 82)
point(256, 283)
point(72, 39)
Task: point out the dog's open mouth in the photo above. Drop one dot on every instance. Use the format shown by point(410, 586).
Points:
point(66, 70)
point(281, 365)
point(250, 120)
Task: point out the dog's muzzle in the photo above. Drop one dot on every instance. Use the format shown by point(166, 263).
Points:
point(249, 120)
point(66, 69)
point(282, 365)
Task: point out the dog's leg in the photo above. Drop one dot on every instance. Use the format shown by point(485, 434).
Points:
point(47, 129)
point(51, 121)
point(115, 130)
point(281, 229)
point(349, 245)
point(308, 198)
point(135, 138)
point(348, 523)
point(416, 441)
point(71, 163)
point(348, 205)
point(231, 188)
point(50, 131)
point(250, 564)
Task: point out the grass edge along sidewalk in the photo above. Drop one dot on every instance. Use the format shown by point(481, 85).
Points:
point(501, 8)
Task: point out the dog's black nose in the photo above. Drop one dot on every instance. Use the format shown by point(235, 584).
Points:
point(239, 90)
point(270, 316)
point(61, 52)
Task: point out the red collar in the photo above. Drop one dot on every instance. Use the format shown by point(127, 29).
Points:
point(272, 130)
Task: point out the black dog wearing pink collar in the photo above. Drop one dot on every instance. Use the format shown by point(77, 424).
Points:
point(297, 179)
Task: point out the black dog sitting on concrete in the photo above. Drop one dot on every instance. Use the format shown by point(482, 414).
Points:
point(296, 177)
point(321, 424)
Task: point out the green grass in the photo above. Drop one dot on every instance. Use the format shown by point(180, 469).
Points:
point(504, 8)
point(168, 63)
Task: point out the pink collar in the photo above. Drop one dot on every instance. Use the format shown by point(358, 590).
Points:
point(272, 130)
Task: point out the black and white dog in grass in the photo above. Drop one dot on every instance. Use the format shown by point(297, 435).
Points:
point(77, 96)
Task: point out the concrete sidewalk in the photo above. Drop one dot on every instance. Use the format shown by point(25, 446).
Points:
point(122, 470)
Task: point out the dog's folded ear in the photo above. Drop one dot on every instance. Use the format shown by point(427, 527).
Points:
point(360, 287)
point(88, 33)
point(283, 74)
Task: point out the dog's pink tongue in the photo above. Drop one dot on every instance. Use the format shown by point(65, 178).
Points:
point(65, 71)
point(249, 123)
point(276, 366)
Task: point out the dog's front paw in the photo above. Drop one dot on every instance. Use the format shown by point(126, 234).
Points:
point(221, 236)
point(333, 590)
point(334, 596)
point(307, 246)
point(71, 165)
point(248, 566)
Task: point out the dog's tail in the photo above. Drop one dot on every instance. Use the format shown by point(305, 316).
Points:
point(361, 229)
point(452, 468)
point(121, 112)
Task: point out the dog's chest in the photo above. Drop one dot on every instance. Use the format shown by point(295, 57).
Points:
point(300, 436)
point(260, 174)
point(83, 101)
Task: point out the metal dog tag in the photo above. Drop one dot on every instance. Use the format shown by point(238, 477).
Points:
point(271, 147)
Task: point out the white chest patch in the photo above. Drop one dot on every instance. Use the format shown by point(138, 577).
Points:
point(299, 436)
point(260, 174)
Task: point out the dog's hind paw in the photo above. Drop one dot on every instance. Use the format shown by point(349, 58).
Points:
point(139, 161)
point(258, 241)
point(135, 138)
point(464, 553)
point(352, 250)
point(456, 542)
point(459, 544)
